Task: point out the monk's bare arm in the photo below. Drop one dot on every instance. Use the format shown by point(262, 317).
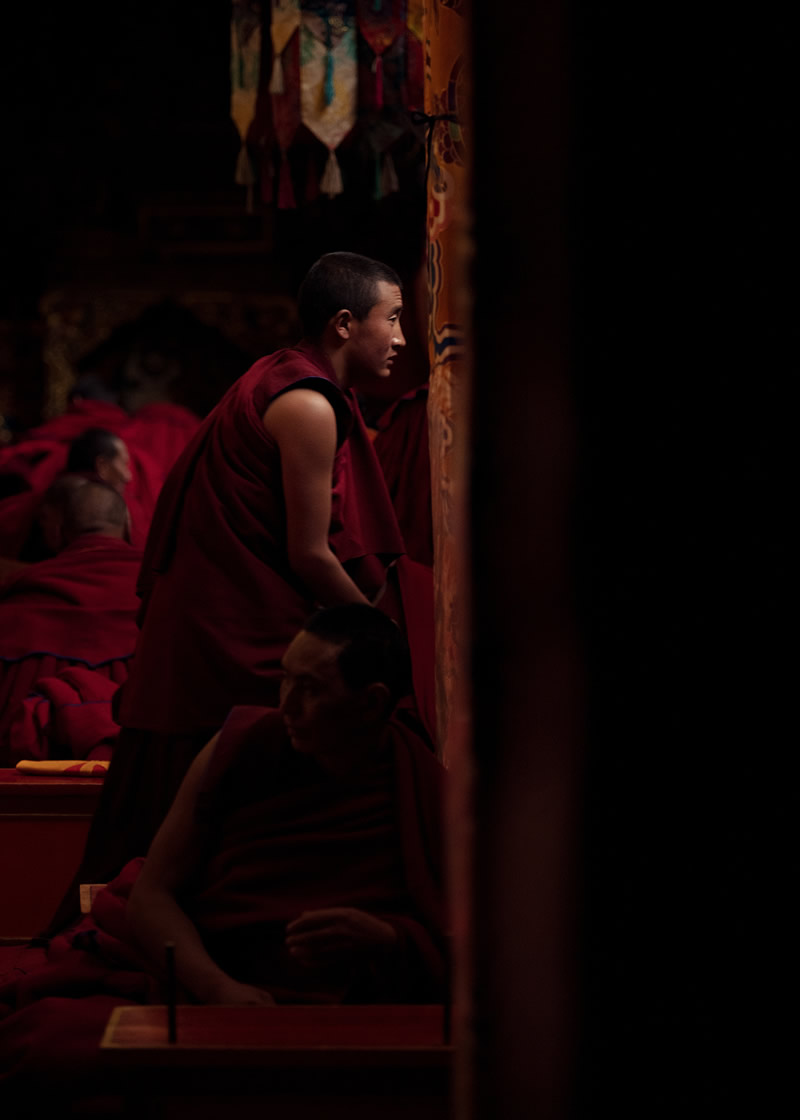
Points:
point(154, 914)
point(303, 424)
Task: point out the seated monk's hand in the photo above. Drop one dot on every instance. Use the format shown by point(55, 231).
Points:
point(338, 934)
point(232, 992)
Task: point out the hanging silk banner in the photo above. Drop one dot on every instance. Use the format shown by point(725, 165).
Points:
point(329, 79)
point(381, 23)
point(285, 21)
point(245, 73)
point(286, 118)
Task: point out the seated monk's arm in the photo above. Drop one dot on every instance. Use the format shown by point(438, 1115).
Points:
point(154, 914)
point(303, 424)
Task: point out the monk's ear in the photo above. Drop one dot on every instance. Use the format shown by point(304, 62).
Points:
point(343, 323)
point(377, 699)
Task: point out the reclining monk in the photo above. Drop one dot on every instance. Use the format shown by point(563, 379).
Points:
point(277, 506)
point(77, 609)
point(299, 863)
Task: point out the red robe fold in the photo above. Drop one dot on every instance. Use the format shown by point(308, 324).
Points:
point(78, 608)
point(220, 601)
point(403, 452)
point(161, 430)
point(67, 716)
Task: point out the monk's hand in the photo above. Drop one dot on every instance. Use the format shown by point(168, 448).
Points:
point(229, 991)
point(338, 934)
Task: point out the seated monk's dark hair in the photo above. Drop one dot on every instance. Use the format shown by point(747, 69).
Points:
point(336, 281)
point(88, 446)
point(372, 646)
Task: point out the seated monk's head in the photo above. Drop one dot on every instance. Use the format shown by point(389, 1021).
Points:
point(351, 306)
point(53, 507)
point(101, 453)
point(343, 674)
point(95, 509)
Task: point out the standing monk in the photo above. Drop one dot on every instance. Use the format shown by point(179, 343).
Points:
point(275, 507)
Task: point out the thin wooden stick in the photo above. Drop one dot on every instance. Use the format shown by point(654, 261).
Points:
point(172, 1019)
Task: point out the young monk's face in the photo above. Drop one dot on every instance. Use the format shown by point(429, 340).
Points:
point(320, 711)
point(375, 340)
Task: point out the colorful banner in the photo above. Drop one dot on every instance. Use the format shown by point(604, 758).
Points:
point(245, 75)
point(329, 78)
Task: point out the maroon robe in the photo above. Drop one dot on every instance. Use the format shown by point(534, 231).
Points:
point(78, 608)
point(372, 840)
point(401, 445)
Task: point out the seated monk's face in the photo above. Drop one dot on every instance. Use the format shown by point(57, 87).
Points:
point(319, 709)
point(116, 469)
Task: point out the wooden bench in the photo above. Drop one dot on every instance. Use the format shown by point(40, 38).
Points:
point(43, 826)
point(284, 1062)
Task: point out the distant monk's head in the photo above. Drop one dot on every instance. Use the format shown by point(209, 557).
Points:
point(343, 674)
point(99, 452)
point(352, 304)
point(53, 508)
point(94, 509)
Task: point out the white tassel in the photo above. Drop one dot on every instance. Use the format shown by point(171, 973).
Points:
point(276, 83)
point(331, 182)
point(245, 175)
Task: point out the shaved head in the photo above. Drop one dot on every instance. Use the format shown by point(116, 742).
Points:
point(59, 494)
point(54, 507)
point(95, 508)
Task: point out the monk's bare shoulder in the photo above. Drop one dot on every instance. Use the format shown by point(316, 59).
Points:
point(299, 410)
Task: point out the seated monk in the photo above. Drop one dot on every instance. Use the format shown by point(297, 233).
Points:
point(136, 471)
point(77, 608)
point(300, 862)
point(95, 453)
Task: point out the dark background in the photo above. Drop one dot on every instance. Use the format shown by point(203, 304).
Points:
point(681, 327)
